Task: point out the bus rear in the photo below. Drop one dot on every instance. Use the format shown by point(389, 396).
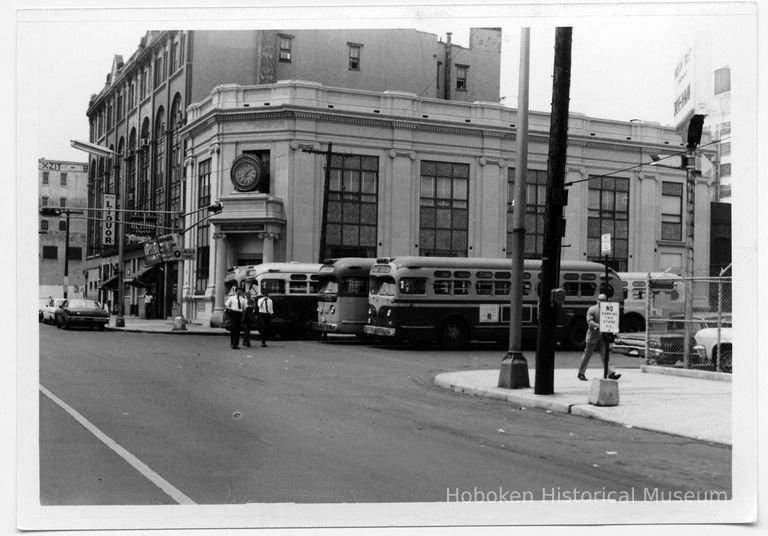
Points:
point(342, 302)
point(293, 288)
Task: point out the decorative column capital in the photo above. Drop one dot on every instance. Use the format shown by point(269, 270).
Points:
point(218, 235)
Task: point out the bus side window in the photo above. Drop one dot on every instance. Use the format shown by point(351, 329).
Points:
point(441, 287)
point(483, 288)
point(526, 288)
point(297, 287)
point(461, 288)
point(274, 286)
point(413, 285)
point(571, 289)
point(501, 288)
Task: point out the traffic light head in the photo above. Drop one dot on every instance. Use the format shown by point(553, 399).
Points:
point(50, 211)
point(215, 207)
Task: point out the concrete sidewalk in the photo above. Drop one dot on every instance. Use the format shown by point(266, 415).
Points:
point(676, 402)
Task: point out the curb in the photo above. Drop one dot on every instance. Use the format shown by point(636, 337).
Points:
point(527, 401)
point(688, 373)
point(167, 332)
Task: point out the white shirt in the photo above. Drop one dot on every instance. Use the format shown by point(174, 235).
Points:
point(234, 303)
point(265, 305)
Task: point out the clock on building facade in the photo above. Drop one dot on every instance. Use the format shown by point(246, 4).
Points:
point(248, 174)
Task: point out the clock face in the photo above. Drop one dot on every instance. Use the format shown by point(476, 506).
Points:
point(246, 173)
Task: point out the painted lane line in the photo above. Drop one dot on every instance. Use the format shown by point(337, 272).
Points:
point(137, 464)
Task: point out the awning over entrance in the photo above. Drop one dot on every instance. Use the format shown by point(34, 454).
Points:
point(143, 278)
point(110, 284)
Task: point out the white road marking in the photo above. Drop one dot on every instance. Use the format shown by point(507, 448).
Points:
point(137, 464)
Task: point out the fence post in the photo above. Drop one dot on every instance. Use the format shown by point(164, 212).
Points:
point(719, 318)
point(647, 315)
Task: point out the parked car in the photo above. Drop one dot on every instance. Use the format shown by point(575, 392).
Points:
point(706, 341)
point(81, 312)
point(49, 311)
point(42, 303)
point(667, 347)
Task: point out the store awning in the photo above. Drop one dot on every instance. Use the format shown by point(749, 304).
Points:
point(143, 278)
point(110, 284)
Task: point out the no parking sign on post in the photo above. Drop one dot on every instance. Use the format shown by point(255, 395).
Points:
point(609, 317)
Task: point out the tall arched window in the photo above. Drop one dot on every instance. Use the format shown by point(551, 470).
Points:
point(142, 200)
point(177, 170)
point(159, 140)
point(130, 164)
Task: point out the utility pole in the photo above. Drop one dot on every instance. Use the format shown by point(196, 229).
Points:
point(693, 136)
point(554, 224)
point(514, 367)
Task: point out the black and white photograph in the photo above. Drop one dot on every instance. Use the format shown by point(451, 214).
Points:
point(373, 267)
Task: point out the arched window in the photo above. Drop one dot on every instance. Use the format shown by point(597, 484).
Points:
point(176, 164)
point(142, 199)
point(159, 140)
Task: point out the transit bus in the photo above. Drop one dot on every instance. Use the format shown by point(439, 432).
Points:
point(456, 300)
point(667, 298)
point(342, 303)
point(293, 287)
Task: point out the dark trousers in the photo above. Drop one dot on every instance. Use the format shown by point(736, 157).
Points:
point(236, 325)
point(247, 319)
point(265, 327)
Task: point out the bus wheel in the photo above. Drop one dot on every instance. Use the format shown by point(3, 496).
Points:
point(575, 334)
point(453, 333)
point(633, 324)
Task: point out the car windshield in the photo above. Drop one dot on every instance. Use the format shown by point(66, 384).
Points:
point(83, 304)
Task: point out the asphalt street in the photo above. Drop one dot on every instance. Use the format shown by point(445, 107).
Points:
point(129, 418)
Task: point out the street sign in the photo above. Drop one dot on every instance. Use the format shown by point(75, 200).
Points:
point(605, 244)
point(108, 233)
point(609, 317)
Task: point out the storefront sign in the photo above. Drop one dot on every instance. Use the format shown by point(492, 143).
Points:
point(165, 249)
point(108, 233)
point(152, 253)
point(142, 226)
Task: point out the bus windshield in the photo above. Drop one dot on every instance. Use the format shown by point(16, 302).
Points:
point(329, 288)
point(354, 286)
point(383, 286)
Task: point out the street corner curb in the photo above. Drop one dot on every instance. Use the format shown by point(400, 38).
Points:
point(167, 332)
point(687, 373)
point(523, 398)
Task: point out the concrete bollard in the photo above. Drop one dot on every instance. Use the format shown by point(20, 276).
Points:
point(179, 324)
point(604, 392)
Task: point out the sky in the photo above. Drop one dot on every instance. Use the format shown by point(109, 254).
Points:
point(622, 66)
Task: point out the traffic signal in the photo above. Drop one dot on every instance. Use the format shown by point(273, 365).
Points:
point(50, 211)
point(215, 208)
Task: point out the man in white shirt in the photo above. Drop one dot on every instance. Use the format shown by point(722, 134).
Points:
point(235, 304)
point(265, 308)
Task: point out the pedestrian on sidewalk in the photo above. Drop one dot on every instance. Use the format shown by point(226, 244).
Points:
point(148, 301)
point(595, 340)
point(266, 310)
point(249, 319)
point(235, 305)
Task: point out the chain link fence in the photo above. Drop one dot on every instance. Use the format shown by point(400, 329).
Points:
point(686, 321)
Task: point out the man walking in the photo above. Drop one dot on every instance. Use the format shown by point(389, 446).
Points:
point(266, 310)
point(235, 304)
point(594, 340)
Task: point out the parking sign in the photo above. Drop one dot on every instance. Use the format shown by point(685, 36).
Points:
point(609, 317)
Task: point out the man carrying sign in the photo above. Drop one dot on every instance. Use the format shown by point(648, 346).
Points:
point(595, 340)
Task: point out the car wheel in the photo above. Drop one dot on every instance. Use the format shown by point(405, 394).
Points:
point(101, 327)
point(453, 333)
point(725, 360)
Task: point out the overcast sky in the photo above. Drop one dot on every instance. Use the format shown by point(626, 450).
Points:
point(622, 65)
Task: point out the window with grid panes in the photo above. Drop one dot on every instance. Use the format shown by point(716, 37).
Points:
point(177, 171)
point(444, 214)
point(43, 225)
point(608, 212)
point(203, 243)
point(286, 44)
point(159, 194)
point(671, 211)
point(352, 217)
point(354, 56)
point(45, 177)
point(535, 204)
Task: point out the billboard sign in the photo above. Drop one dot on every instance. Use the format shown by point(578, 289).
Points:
point(142, 226)
point(165, 249)
point(693, 86)
point(108, 229)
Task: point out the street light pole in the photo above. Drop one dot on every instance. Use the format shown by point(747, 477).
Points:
point(66, 258)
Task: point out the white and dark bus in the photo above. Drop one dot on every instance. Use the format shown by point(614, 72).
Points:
point(342, 303)
point(667, 298)
point(456, 300)
point(293, 287)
